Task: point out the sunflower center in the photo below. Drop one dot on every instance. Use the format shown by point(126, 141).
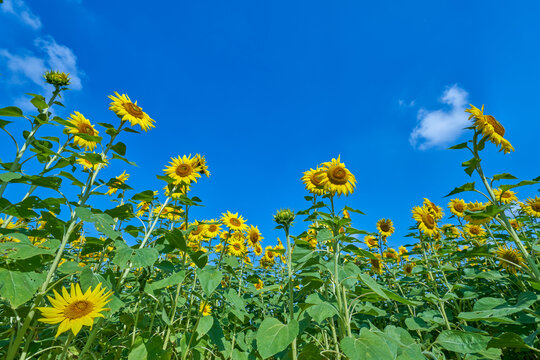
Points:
point(459, 207)
point(428, 221)
point(237, 247)
point(78, 309)
point(270, 254)
point(511, 256)
point(499, 129)
point(253, 237)
point(375, 263)
point(86, 129)
point(183, 170)
point(198, 230)
point(212, 227)
point(536, 206)
point(475, 230)
point(134, 110)
point(385, 226)
point(235, 222)
point(337, 175)
point(316, 178)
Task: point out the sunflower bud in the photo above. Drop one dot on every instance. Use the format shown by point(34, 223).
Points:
point(284, 217)
point(57, 78)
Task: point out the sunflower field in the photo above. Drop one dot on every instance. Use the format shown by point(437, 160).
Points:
point(146, 280)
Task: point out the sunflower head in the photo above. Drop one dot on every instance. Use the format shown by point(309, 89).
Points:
point(313, 181)
point(254, 235)
point(284, 217)
point(408, 268)
point(337, 178)
point(457, 207)
point(371, 241)
point(259, 285)
point(57, 78)
point(477, 207)
point(505, 197)
point(385, 227)
point(509, 259)
point(205, 309)
point(490, 128)
point(126, 110)
point(531, 206)
point(117, 182)
point(376, 264)
point(234, 222)
point(425, 220)
point(81, 125)
point(435, 211)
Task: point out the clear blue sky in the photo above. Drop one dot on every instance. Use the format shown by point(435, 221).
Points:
point(267, 90)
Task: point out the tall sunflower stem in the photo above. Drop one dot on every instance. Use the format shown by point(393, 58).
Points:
point(66, 346)
point(291, 293)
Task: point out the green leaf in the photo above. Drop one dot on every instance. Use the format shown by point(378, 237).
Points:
point(462, 188)
point(372, 284)
point(102, 222)
point(11, 111)
point(462, 342)
point(23, 250)
point(233, 297)
point(416, 323)
point(126, 257)
point(521, 183)
point(176, 238)
point(209, 278)
point(205, 324)
point(138, 350)
point(368, 346)
point(7, 177)
point(200, 258)
point(146, 196)
point(458, 146)
point(321, 309)
point(470, 165)
point(174, 279)
point(507, 340)
point(18, 287)
point(505, 176)
point(119, 148)
point(273, 336)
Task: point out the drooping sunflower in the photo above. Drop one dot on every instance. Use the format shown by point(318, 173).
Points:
point(75, 309)
point(88, 165)
point(183, 169)
point(236, 246)
point(376, 264)
point(474, 230)
point(434, 210)
point(505, 197)
point(490, 128)
point(234, 221)
point(457, 207)
point(119, 181)
point(337, 178)
point(82, 125)
point(201, 165)
point(213, 229)
point(477, 206)
point(126, 110)
point(313, 181)
point(532, 206)
point(205, 309)
point(371, 241)
point(510, 259)
point(426, 222)
point(385, 227)
point(254, 235)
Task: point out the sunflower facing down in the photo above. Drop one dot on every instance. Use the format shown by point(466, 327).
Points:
point(376, 264)
point(385, 227)
point(313, 181)
point(490, 128)
point(234, 221)
point(183, 170)
point(510, 259)
point(337, 178)
point(126, 110)
point(119, 181)
point(82, 125)
point(75, 309)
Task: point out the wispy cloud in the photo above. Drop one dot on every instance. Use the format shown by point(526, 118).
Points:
point(441, 127)
point(22, 11)
point(54, 57)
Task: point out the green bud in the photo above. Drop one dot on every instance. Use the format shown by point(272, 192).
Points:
point(56, 78)
point(284, 217)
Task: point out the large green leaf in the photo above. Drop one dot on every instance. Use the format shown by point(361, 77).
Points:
point(11, 111)
point(174, 279)
point(462, 342)
point(209, 278)
point(320, 309)
point(19, 287)
point(103, 222)
point(273, 336)
point(368, 346)
point(126, 257)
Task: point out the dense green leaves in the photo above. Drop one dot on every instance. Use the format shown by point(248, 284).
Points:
point(273, 336)
point(18, 287)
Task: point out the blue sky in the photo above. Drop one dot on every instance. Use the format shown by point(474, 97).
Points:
point(267, 90)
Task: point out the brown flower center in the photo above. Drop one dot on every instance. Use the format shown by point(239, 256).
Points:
point(428, 221)
point(475, 230)
point(385, 226)
point(235, 222)
point(237, 246)
point(86, 129)
point(184, 170)
point(535, 206)
point(337, 175)
point(212, 228)
point(78, 309)
point(510, 255)
point(197, 231)
point(134, 110)
point(459, 207)
point(499, 129)
point(316, 178)
point(253, 237)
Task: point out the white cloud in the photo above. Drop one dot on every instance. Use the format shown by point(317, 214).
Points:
point(55, 57)
point(404, 103)
point(441, 127)
point(23, 12)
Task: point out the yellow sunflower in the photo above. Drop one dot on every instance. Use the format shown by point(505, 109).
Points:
point(87, 165)
point(198, 233)
point(434, 210)
point(477, 206)
point(82, 125)
point(200, 163)
point(257, 249)
point(474, 230)
point(254, 235)
point(213, 229)
point(234, 221)
point(205, 309)
point(426, 222)
point(218, 248)
point(183, 170)
point(385, 227)
point(119, 181)
point(532, 206)
point(376, 264)
point(403, 251)
point(313, 181)
point(75, 309)
point(391, 253)
point(509, 259)
point(337, 178)
point(515, 224)
point(490, 128)
point(408, 268)
point(371, 241)
point(125, 109)
point(505, 197)
point(457, 207)
point(236, 246)
point(451, 231)
point(259, 285)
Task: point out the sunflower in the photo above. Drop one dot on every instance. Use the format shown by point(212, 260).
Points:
point(254, 235)
point(457, 207)
point(257, 249)
point(434, 210)
point(477, 207)
point(125, 109)
point(451, 231)
point(408, 268)
point(201, 165)
point(532, 206)
point(505, 197)
point(426, 223)
point(198, 233)
point(75, 309)
point(88, 165)
point(515, 224)
point(218, 248)
point(313, 181)
point(236, 246)
point(403, 251)
point(474, 230)
point(169, 212)
point(233, 221)
point(376, 264)
point(179, 191)
point(81, 125)
point(385, 227)
point(259, 285)
point(312, 238)
point(205, 309)
point(391, 253)
point(212, 229)
point(371, 241)
point(280, 246)
point(509, 258)
point(118, 181)
point(337, 178)
point(490, 128)
point(183, 170)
